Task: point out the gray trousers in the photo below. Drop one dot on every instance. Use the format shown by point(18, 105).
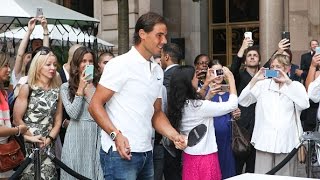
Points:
point(266, 161)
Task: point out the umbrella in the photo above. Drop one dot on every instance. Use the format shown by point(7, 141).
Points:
point(20, 11)
point(61, 34)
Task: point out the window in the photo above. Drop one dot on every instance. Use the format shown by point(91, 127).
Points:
point(229, 19)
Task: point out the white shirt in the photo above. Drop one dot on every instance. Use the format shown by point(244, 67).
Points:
point(66, 73)
point(137, 84)
point(314, 92)
point(198, 112)
point(275, 129)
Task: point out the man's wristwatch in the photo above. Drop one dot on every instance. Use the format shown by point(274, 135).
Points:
point(114, 134)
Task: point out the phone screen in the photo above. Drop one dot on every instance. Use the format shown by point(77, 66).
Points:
point(318, 50)
point(89, 72)
point(269, 73)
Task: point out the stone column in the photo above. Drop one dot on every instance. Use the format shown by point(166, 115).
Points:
point(271, 25)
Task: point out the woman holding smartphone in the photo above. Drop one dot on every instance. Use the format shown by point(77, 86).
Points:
point(275, 131)
point(82, 136)
point(219, 92)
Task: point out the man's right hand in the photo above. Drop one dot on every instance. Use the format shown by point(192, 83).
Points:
point(123, 147)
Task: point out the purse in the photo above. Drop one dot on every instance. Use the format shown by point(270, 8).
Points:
point(11, 155)
point(240, 145)
point(302, 151)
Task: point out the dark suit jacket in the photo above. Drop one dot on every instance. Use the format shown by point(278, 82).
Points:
point(293, 75)
point(305, 64)
point(65, 114)
point(166, 83)
point(242, 79)
point(167, 77)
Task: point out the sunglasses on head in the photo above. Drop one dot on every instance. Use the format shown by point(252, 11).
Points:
point(44, 50)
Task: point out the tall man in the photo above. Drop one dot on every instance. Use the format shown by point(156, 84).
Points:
point(130, 91)
point(251, 58)
point(306, 58)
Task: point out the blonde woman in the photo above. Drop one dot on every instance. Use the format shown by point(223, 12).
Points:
point(275, 130)
point(39, 106)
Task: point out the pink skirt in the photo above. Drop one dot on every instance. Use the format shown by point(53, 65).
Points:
point(201, 167)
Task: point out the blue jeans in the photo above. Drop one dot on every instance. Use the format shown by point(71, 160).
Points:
point(140, 167)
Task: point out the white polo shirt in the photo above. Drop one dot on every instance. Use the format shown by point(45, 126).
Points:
point(137, 84)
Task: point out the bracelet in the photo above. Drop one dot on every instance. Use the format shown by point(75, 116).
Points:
point(50, 137)
point(46, 34)
point(19, 132)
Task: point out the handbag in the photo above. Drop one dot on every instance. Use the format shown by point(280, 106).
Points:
point(302, 151)
point(11, 155)
point(240, 145)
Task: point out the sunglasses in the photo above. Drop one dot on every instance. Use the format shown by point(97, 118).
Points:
point(45, 51)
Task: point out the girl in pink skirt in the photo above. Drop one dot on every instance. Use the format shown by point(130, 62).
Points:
point(186, 110)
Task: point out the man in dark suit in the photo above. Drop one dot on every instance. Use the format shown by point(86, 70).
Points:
point(306, 59)
point(308, 116)
point(166, 158)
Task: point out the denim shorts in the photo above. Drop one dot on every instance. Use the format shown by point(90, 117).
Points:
point(140, 167)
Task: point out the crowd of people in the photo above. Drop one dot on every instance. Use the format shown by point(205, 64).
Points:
point(130, 119)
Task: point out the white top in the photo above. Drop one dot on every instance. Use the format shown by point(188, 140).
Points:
point(314, 92)
point(66, 73)
point(137, 84)
point(15, 78)
point(275, 128)
point(198, 112)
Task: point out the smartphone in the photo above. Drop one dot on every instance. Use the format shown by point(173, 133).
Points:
point(89, 72)
point(285, 35)
point(202, 74)
point(218, 72)
point(270, 73)
point(248, 34)
point(39, 12)
point(225, 88)
point(317, 50)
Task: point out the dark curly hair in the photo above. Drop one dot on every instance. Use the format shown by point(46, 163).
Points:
point(181, 90)
point(74, 70)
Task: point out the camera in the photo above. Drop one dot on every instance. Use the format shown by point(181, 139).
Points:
point(270, 73)
point(218, 72)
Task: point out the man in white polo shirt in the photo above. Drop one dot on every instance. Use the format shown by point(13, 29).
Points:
point(130, 89)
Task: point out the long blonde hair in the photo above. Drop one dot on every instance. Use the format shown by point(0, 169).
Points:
point(37, 63)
